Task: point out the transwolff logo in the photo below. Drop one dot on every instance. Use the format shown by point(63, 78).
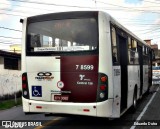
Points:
point(44, 76)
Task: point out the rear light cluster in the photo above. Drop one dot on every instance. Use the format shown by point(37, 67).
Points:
point(25, 90)
point(102, 93)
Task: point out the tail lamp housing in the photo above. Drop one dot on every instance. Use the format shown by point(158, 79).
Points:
point(25, 90)
point(102, 92)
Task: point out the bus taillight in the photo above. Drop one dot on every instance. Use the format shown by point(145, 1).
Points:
point(103, 87)
point(25, 90)
point(103, 79)
point(24, 78)
point(102, 93)
point(24, 86)
point(86, 110)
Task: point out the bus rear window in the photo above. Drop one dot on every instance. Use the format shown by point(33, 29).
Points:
point(63, 35)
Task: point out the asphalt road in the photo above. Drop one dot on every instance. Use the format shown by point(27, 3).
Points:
point(71, 122)
point(16, 114)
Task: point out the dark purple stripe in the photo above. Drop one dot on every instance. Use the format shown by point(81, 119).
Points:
point(82, 83)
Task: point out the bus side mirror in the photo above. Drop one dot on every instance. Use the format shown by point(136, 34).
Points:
point(21, 20)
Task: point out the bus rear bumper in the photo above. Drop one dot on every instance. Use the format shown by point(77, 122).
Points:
point(102, 109)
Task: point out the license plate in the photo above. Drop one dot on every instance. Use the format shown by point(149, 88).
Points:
point(61, 97)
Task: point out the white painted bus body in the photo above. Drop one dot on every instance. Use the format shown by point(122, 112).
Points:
point(109, 108)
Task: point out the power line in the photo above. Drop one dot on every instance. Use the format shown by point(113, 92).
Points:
point(5, 43)
point(10, 29)
point(144, 24)
point(105, 8)
point(28, 7)
point(13, 14)
point(135, 8)
point(157, 2)
point(11, 10)
point(1, 43)
point(9, 37)
point(13, 40)
point(39, 8)
point(34, 2)
point(143, 30)
point(19, 11)
point(54, 10)
point(157, 29)
point(128, 8)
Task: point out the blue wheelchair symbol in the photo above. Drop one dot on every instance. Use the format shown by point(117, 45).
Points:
point(36, 91)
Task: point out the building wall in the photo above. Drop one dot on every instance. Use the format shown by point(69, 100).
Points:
point(155, 48)
point(10, 80)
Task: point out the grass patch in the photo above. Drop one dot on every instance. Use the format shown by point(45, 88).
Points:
point(6, 104)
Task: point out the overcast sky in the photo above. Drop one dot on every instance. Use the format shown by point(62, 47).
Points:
point(142, 17)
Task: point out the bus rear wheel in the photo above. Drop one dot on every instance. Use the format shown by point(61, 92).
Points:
point(134, 106)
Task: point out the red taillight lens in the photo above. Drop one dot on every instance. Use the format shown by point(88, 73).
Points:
point(103, 87)
point(86, 110)
point(24, 78)
point(103, 79)
point(39, 107)
point(24, 86)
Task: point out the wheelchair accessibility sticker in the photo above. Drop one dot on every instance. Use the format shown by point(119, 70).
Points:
point(37, 91)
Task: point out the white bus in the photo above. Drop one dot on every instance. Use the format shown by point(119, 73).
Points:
point(82, 63)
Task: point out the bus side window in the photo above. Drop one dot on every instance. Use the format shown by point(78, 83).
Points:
point(144, 50)
point(132, 51)
point(134, 45)
point(114, 46)
point(145, 55)
point(35, 40)
point(47, 41)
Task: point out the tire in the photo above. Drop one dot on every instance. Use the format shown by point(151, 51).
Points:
point(148, 90)
point(134, 106)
